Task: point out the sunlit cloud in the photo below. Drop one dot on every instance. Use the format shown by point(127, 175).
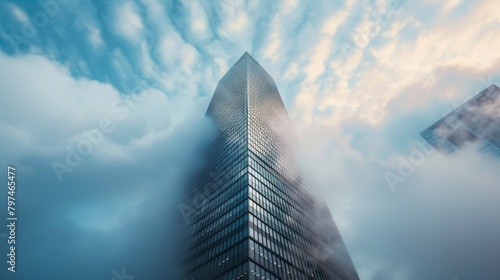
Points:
point(360, 80)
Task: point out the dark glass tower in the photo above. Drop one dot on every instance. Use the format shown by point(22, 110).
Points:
point(249, 215)
point(477, 120)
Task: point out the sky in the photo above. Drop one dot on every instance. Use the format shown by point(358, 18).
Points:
point(102, 105)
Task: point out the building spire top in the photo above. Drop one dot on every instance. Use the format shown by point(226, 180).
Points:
point(246, 55)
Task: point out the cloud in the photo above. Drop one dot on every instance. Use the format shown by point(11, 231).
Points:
point(234, 18)
point(127, 204)
point(358, 99)
point(282, 22)
point(449, 5)
point(128, 22)
point(95, 36)
point(198, 20)
point(432, 225)
point(389, 67)
point(19, 14)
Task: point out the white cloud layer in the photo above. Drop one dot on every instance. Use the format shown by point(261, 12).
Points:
point(360, 79)
point(128, 22)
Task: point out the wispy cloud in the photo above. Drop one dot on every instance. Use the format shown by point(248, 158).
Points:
point(128, 22)
point(360, 80)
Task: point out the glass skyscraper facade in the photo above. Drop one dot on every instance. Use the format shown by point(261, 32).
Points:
point(251, 216)
point(475, 121)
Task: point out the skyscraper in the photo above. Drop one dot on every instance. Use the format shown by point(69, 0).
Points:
point(250, 216)
point(475, 121)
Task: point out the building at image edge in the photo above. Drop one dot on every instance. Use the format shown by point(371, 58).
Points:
point(475, 121)
point(254, 218)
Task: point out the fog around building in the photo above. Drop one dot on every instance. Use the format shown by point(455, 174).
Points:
point(360, 80)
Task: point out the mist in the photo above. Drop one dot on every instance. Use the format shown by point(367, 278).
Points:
point(112, 211)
